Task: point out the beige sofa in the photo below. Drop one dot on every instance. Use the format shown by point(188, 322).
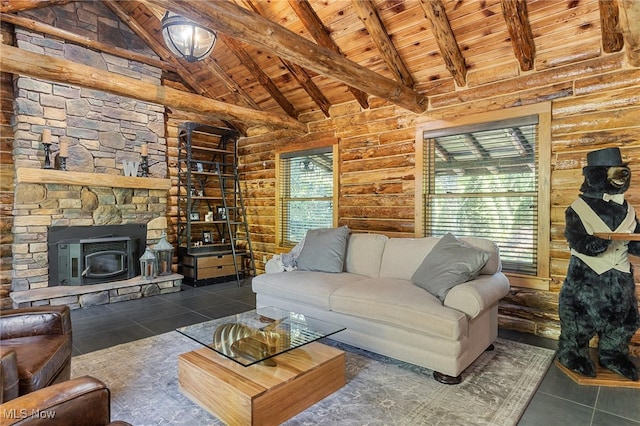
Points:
point(385, 312)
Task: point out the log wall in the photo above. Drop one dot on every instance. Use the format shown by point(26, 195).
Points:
point(595, 104)
point(6, 176)
point(171, 135)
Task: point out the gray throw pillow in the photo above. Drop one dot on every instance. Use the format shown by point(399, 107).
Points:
point(449, 263)
point(324, 250)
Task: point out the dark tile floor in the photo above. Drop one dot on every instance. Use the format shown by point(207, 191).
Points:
point(558, 401)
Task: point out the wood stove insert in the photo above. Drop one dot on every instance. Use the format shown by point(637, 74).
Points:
point(85, 255)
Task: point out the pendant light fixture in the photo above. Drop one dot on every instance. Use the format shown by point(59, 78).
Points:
point(186, 39)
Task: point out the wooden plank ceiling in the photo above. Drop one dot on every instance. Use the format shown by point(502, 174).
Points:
point(296, 57)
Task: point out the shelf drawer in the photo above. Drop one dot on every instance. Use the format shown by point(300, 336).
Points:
point(216, 271)
point(223, 260)
point(208, 260)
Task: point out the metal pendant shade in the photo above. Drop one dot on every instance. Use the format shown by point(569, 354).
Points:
point(187, 39)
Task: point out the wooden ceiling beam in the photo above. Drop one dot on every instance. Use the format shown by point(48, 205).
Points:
point(305, 81)
point(265, 81)
point(254, 29)
point(437, 16)
point(231, 85)
point(630, 26)
point(10, 6)
point(19, 61)
point(368, 14)
point(612, 40)
point(302, 77)
point(517, 19)
point(321, 35)
point(43, 28)
point(96, 45)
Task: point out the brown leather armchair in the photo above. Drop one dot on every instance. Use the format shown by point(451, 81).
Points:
point(40, 338)
point(84, 401)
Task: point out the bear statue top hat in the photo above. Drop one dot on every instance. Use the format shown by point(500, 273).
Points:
point(607, 157)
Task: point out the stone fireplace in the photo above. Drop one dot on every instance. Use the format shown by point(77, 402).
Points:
point(102, 132)
point(40, 207)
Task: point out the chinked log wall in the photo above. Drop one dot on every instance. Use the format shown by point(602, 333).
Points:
point(595, 103)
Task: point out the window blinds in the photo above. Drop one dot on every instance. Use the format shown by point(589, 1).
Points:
point(483, 181)
point(306, 193)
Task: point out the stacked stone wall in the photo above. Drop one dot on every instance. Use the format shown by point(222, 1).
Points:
point(101, 130)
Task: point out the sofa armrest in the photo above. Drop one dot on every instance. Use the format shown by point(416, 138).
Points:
point(476, 296)
point(9, 379)
point(84, 400)
point(35, 321)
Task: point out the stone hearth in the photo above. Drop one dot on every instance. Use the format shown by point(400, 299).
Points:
point(97, 294)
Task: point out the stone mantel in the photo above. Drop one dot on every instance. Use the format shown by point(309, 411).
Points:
point(30, 175)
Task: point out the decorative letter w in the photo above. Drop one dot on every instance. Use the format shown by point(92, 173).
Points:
point(130, 167)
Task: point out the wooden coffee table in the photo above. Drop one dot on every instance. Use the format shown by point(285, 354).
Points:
point(241, 391)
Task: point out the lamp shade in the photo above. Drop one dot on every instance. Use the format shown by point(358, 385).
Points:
point(187, 39)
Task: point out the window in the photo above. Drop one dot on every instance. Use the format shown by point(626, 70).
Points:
point(484, 179)
point(306, 193)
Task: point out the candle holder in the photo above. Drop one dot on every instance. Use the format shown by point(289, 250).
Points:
point(63, 163)
point(144, 166)
point(47, 152)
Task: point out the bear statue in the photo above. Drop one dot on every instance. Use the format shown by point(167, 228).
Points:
point(598, 293)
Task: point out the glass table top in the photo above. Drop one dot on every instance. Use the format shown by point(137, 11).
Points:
point(259, 335)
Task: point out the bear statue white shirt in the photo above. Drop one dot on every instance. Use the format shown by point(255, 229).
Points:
point(616, 255)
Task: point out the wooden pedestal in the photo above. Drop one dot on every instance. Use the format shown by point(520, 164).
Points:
point(604, 377)
point(259, 394)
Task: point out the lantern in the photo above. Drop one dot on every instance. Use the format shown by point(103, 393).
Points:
point(148, 264)
point(164, 255)
point(187, 39)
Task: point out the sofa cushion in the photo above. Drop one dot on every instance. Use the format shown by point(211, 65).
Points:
point(324, 250)
point(402, 256)
point(311, 288)
point(364, 254)
point(451, 262)
point(400, 303)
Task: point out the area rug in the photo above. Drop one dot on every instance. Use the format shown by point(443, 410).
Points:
point(497, 387)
